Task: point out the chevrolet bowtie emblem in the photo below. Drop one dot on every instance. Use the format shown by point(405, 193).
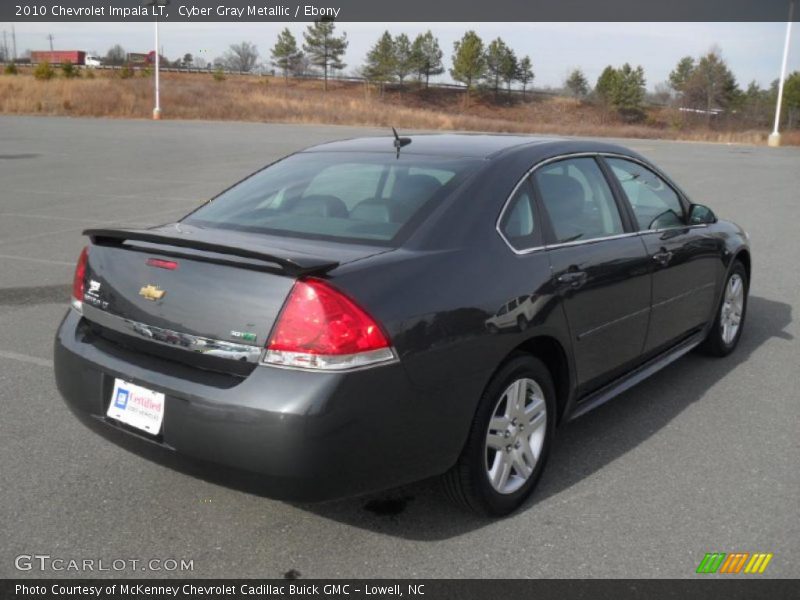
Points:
point(151, 292)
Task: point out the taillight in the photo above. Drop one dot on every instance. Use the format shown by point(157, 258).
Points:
point(321, 328)
point(79, 280)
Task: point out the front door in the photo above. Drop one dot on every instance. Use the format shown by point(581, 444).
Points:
point(684, 258)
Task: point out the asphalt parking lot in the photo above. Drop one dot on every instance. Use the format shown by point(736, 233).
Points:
point(701, 457)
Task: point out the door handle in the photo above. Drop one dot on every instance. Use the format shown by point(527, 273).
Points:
point(574, 279)
point(662, 257)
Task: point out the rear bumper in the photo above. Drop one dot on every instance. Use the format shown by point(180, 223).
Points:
point(284, 433)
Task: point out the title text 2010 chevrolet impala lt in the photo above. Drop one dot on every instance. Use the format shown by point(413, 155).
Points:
point(372, 312)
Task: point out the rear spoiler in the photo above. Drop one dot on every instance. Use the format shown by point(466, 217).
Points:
point(295, 265)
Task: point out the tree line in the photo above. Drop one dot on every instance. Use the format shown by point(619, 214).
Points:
point(321, 48)
point(394, 58)
point(703, 85)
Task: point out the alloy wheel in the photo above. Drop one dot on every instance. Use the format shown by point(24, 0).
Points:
point(732, 309)
point(516, 435)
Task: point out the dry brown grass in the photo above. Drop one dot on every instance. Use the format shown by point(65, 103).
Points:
point(267, 99)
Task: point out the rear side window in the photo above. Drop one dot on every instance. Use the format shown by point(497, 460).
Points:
point(654, 202)
point(518, 224)
point(578, 201)
point(337, 195)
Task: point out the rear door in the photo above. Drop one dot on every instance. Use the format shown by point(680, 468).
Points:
point(600, 268)
point(684, 258)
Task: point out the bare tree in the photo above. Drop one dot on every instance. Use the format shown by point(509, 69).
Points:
point(241, 57)
point(116, 55)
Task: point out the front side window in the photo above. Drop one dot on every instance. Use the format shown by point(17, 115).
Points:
point(578, 201)
point(336, 195)
point(654, 202)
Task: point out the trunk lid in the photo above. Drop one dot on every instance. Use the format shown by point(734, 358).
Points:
point(222, 298)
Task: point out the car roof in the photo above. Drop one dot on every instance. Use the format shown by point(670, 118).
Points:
point(469, 145)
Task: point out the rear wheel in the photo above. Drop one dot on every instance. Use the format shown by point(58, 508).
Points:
point(728, 324)
point(509, 440)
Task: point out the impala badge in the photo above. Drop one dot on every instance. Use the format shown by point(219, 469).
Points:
point(151, 292)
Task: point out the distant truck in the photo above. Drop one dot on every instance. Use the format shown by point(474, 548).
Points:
point(142, 59)
point(59, 57)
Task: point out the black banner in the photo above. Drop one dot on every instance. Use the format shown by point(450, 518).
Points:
point(461, 589)
point(397, 10)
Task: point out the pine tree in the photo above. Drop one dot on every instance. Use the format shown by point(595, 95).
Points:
point(426, 56)
point(285, 53)
point(525, 73)
point(403, 59)
point(791, 98)
point(680, 76)
point(469, 61)
point(712, 84)
point(629, 93)
point(577, 84)
point(496, 55)
point(623, 89)
point(509, 69)
point(381, 61)
point(324, 49)
point(606, 84)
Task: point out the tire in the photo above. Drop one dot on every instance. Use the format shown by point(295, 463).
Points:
point(468, 482)
point(721, 341)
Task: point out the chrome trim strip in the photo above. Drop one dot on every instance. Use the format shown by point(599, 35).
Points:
point(599, 239)
point(685, 294)
point(316, 363)
point(663, 229)
point(174, 339)
point(618, 320)
point(546, 161)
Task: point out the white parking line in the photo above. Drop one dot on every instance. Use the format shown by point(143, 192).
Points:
point(38, 260)
point(33, 360)
point(127, 221)
point(49, 217)
point(35, 236)
point(83, 194)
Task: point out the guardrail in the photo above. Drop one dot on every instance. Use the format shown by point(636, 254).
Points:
point(312, 77)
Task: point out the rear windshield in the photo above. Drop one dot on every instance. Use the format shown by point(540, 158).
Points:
point(336, 195)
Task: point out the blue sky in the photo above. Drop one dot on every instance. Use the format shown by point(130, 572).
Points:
point(753, 50)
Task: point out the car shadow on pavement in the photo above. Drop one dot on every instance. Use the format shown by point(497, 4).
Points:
point(421, 512)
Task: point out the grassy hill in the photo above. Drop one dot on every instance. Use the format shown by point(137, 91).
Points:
point(271, 99)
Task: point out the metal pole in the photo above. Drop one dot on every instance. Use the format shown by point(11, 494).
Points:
point(14, 41)
point(157, 109)
point(775, 137)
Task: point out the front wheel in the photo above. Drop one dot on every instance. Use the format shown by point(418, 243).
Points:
point(509, 440)
point(729, 322)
